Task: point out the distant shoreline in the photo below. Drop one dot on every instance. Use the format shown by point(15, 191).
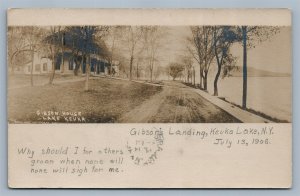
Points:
point(260, 76)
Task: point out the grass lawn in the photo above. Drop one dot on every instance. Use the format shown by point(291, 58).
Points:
point(16, 80)
point(107, 100)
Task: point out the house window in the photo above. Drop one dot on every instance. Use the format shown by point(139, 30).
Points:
point(37, 67)
point(45, 67)
point(29, 68)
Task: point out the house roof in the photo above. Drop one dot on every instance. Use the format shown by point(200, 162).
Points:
point(73, 38)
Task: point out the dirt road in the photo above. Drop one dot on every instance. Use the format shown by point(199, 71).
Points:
point(176, 103)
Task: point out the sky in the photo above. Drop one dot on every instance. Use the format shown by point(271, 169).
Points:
point(271, 55)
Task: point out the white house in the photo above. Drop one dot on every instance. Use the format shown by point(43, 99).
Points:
point(41, 65)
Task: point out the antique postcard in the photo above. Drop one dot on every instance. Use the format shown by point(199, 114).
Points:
point(149, 98)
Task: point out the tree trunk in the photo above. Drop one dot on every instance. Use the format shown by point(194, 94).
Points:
point(31, 71)
point(52, 70)
point(194, 74)
point(201, 78)
point(137, 71)
point(216, 81)
point(62, 66)
point(130, 68)
point(244, 102)
point(185, 76)
point(87, 72)
point(79, 64)
point(112, 53)
point(96, 67)
point(219, 63)
point(111, 69)
point(80, 70)
point(205, 81)
point(151, 70)
point(76, 65)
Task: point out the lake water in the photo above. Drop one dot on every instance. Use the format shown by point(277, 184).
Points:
point(270, 95)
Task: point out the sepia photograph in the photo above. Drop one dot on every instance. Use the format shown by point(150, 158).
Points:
point(149, 98)
point(149, 74)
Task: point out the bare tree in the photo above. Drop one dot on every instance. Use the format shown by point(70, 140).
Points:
point(187, 61)
point(139, 61)
point(32, 35)
point(23, 40)
point(175, 70)
point(141, 55)
point(202, 50)
point(114, 36)
point(88, 40)
point(51, 41)
point(133, 35)
point(62, 46)
point(72, 42)
point(223, 38)
point(17, 45)
point(153, 39)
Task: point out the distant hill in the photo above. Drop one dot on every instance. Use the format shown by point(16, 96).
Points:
point(253, 72)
